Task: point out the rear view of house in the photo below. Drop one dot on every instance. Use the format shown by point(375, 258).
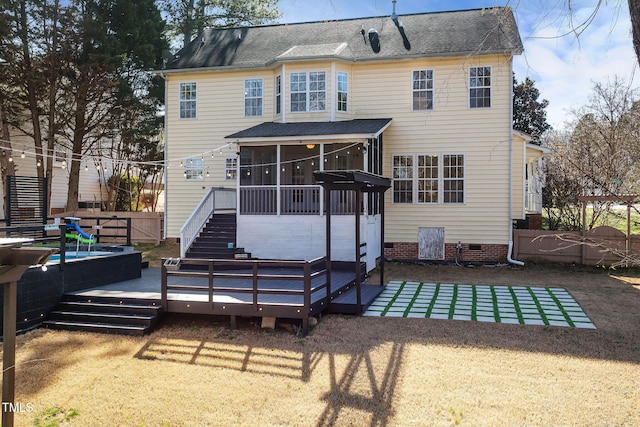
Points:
point(424, 99)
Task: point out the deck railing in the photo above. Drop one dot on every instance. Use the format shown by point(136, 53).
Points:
point(256, 271)
point(292, 200)
point(216, 199)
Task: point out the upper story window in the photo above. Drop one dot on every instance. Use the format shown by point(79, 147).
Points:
point(479, 87)
point(253, 97)
point(308, 91)
point(278, 94)
point(402, 179)
point(423, 90)
point(194, 168)
point(188, 100)
point(343, 90)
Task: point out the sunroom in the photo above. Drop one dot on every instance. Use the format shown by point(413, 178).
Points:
point(281, 208)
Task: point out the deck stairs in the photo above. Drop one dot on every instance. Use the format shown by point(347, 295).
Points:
point(217, 240)
point(112, 315)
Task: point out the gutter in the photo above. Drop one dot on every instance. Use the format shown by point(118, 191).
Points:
point(510, 248)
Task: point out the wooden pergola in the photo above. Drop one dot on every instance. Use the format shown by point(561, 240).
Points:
point(360, 182)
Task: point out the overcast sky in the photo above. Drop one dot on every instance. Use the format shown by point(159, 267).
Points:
point(563, 67)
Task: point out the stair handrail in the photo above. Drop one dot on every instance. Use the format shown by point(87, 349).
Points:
point(215, 199)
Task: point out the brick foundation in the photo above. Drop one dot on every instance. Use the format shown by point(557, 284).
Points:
point(535, 221)
point(470, 252)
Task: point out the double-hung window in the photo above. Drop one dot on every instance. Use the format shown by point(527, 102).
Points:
point(253, 97)
point(308, 91)
point(479, 87)
point(231, 168)
point(343, 86)
point(278, 94)
point(453, 178)
point(423, 90)
point(188, 100)
point(428, 178)
point(402, 179)
point(194, 169)
point(435, 178)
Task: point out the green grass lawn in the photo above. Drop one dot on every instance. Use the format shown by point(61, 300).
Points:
point(616, 218)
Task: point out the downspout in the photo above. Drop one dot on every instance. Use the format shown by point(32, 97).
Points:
point(166, 153)
point(510, 248)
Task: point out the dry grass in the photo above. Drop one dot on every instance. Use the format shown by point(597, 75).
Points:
point(355, 370)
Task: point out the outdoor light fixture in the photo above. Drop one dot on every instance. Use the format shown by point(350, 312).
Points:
point(311, 146)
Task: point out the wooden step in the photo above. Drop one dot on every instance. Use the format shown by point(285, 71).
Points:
point(105, 328)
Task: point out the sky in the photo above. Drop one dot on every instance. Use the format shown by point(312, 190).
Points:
point(564, 67)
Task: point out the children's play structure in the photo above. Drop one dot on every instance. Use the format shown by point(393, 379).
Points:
point(75, 232)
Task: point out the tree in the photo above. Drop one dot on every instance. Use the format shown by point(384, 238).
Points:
point(188, 17)
point(529, 114)
point(596, 157)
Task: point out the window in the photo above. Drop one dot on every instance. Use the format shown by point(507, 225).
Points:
point(423, 90)
point(453, 178)
point(188, 100)
point(436, 178)
point(253, 97)
point(60, 158)
point(308, 92)
point(402, 179)
point(480, 87)
point(342, 91)
point(231, 168)
point(278, 94)
point(194, 168)
point(427, 179)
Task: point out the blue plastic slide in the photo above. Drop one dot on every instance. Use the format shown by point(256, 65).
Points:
point(78, 230)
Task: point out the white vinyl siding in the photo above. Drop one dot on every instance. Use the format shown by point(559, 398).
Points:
point(188, 100)
point(479, 87)
point(422, 90)
point(343, 91)
point(253, 97)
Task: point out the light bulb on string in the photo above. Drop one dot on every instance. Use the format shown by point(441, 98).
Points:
point(22, 156)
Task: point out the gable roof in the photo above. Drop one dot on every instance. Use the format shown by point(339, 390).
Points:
point(467, 32)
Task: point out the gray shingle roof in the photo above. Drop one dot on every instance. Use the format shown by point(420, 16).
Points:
point(301, 129)
point(467, 32)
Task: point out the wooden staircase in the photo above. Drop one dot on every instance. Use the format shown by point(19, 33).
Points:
point(110, 315)
point(217, 240)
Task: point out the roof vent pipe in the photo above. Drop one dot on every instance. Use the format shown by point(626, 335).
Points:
point(393, 14)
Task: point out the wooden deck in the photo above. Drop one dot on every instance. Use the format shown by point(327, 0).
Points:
point(265, 288)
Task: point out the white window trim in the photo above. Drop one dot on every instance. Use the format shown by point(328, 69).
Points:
point(307, 91)
point(490, 87)
point(278, 95)
point(464, 179)
point(60, 158)
point(338, 91)
point(181, 101)
point(432, 90)
point(412, 179)
point(261, 97)
point(438, 179)
point(441, 179)
point(230, 168)
point(190, 166)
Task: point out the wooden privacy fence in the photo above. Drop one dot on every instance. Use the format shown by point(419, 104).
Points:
point(146, 227)
point(549, 246)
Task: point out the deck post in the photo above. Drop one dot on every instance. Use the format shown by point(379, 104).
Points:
point(163, 286)
point(328, 207)
point(357, 245)
point(9, 351)
point(307, 297)
point(254, 271)
point(381, 210)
